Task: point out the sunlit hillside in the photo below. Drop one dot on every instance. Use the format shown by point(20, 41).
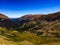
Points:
point(31, 30)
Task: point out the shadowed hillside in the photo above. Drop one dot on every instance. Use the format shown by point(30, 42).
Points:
point(6, 22)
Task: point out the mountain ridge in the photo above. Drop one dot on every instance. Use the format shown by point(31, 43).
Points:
point(16, 22)
point(31, 29)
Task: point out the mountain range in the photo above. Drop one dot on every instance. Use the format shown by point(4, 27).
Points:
point(7, 22)
point(37, 29)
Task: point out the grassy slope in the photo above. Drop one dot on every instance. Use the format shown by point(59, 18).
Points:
point(6, 42)
point(12, 37)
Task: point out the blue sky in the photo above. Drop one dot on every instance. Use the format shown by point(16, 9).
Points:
point(17, 8)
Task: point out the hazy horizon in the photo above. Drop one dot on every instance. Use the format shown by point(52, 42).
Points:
point(18, 8)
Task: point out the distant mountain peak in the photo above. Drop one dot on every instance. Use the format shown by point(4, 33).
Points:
point(3, 16)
